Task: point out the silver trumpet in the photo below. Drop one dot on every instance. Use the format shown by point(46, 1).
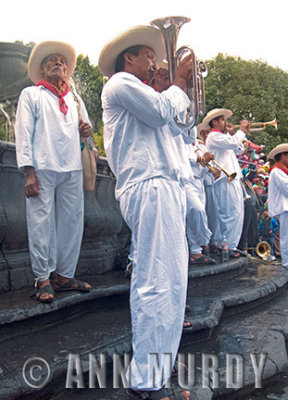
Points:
point(169, 28)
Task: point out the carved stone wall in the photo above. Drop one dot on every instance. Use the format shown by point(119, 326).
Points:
point(106, 237)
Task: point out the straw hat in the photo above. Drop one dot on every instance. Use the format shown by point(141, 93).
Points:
point(217, 112)
point(144, 35)
point(44, 49)
point(281, 148)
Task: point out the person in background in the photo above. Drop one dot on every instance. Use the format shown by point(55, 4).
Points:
point(267, 228)
point(229, 195)
point(278, 195)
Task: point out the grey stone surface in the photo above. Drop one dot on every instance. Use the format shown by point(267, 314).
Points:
point(106, 237)
point(100, 322)
point(13, 71)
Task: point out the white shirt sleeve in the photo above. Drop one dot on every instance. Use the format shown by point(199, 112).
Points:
point(24, 129)
point(152, 108)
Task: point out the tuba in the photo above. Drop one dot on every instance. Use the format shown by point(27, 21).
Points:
point(263, 249)
point(169, 28)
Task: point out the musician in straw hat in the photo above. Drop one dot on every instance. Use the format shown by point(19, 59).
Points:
point(48, 150)
point(142, 154)
point(278, 195)
point(229, 195)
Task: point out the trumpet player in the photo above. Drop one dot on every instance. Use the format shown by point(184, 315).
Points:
point(210, 205)
point(229, 195)
point(198, 232)
point(278, 195)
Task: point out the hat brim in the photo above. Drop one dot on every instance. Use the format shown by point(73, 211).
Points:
point(215, 114)
point(281, 148)
point(44, 49)
point(138, 35)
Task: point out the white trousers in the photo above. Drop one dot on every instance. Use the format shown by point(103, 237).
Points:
point(155, 212)
point(283, 218)
point(198, 233)
point(230, 204)
point(55, 223)
point(212, 216)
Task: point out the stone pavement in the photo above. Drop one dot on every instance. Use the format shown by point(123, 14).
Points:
point(235, 308)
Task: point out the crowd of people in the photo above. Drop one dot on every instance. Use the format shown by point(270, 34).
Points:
point(179, 205)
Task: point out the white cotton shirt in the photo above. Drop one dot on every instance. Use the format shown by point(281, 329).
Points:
point(223, 147)
point(138, 141)
point(277, 192)
point(46, 138)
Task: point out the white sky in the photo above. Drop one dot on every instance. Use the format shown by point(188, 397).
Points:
point(251, 29)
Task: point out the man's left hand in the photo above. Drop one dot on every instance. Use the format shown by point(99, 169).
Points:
point(85, 129)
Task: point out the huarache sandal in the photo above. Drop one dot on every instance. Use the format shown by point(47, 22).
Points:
point(175, 393)
point(72, 284)
point(234, 254)
point(47, 289)
point(202, 260)
point(186, 324)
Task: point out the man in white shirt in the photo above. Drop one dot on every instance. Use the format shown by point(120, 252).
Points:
point(142, 153)
point(278, 195)
point(229, 195)
point(47, 133)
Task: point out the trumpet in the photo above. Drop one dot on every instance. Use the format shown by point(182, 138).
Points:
point(169, 28)
point(218, 167)
point(259, 126)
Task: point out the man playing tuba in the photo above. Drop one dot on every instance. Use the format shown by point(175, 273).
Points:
point(142, 154)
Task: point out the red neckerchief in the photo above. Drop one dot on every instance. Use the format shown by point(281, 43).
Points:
point(280, 166)
point(216, 130)
point(59, 93)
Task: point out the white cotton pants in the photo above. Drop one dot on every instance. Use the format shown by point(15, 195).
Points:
point(55, 223)
point(212, 216)
point(230, 204)
point(198, 233)
point(155, 212)
point(283, 218)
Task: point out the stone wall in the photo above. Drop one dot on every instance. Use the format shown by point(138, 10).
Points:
point(106, 237)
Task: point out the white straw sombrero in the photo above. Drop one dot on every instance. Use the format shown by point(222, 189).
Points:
point(44, 49)
point(217, 112)
point(281, 148)
point(139, 35)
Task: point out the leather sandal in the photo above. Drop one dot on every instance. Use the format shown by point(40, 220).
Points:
point(202, 260)
point(234, 253)
point(174, 393)
point(42, 290)
point(70, 285)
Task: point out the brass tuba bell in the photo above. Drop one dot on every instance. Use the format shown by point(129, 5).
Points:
point(169, 27)
point(263, 250)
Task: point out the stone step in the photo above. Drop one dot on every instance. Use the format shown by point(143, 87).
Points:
point(99, 322)
point(18, 305)
point(259, 330)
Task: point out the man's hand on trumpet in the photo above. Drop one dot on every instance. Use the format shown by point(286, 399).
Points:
point(161, 80)
point(244, 127)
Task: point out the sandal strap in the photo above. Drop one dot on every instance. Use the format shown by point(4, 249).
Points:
point(70, 284)
point(45, 289)
point(174, 393)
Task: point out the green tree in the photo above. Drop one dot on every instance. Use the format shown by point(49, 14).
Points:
point(253, 90)
point(89, 84)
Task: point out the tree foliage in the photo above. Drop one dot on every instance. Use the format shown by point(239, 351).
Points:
point(89, 85)
point(253, 90)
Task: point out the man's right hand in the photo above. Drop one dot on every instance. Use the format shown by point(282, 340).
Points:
point(184, 73)
point(32, 184)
